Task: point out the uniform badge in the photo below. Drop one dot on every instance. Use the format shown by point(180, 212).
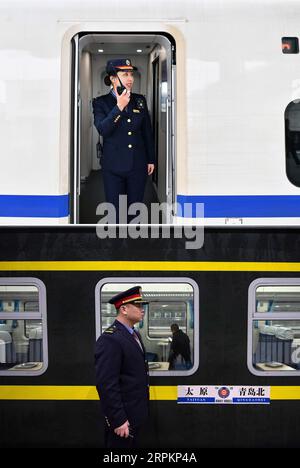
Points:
point(136, 111)
point(110, 329)
point(140, 103)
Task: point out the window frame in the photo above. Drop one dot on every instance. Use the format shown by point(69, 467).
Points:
point(253, 315)
point(141, 280)
point(42, 315)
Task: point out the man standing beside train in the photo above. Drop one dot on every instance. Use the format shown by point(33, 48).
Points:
point(122, 372)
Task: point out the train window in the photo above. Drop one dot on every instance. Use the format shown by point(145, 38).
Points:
point(290, 45)
point(162, 314)
point(169, 328)
point(23, 327)
point(274, 327)
point(292, 141)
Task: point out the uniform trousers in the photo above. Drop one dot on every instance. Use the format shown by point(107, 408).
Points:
point(130, 183)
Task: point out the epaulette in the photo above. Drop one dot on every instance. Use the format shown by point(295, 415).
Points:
point(111, 329)
point(140, 103)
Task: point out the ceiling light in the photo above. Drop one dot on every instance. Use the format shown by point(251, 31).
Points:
point(100, 50)
point(139, 50)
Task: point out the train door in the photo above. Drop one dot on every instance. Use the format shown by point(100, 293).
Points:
point(154, 55)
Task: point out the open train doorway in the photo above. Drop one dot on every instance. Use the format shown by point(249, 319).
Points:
point(155, 57)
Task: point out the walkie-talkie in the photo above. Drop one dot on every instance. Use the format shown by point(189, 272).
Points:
point(120, 88)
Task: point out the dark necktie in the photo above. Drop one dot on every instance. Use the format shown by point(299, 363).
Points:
point(137, 339)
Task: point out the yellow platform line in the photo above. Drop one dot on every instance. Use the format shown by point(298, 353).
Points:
point(148, 266)
point(157, 393)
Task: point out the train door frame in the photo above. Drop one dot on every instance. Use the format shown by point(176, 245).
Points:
point(169, 179)
point(155, 98)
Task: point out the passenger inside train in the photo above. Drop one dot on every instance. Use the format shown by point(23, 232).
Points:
point(180, 352)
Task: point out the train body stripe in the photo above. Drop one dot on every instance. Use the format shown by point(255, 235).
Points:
point(47, 392)
point(34, 206)
point(215, 206)
point(240, 206)
point(88, 393)
point(148, 266)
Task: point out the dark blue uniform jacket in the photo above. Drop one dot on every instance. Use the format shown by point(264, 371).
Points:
point(127, 135)
point(121, 377)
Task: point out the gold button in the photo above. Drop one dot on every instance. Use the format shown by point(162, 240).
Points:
point(129, 146)
point(129, 133)
point(128, 120)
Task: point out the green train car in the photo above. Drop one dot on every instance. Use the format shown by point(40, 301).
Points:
point(238, 299)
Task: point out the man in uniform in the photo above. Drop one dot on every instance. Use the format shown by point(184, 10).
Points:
point(122, 118)
point(122, 372)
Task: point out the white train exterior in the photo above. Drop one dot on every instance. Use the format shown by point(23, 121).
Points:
point(226, 95)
